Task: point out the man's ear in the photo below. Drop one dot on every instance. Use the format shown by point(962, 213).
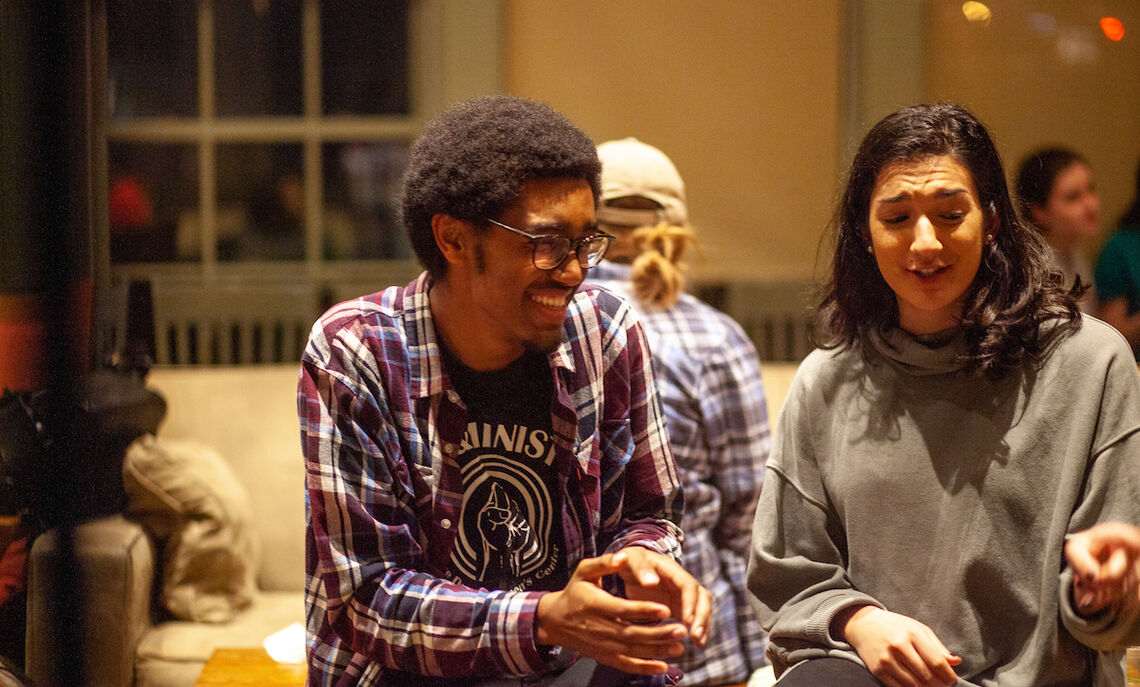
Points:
point(453, 236)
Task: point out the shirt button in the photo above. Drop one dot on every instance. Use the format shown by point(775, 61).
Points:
point(452, 396)
point(445, 523)
point(449, 449)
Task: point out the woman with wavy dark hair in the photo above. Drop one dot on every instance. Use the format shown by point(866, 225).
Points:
point(1014, 287)
point(961, 421)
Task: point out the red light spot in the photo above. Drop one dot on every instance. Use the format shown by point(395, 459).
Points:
point(1113, 28)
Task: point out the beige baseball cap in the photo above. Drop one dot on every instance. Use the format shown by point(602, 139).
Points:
point(632, 168)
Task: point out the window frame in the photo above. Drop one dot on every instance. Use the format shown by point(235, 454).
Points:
point(455, 53)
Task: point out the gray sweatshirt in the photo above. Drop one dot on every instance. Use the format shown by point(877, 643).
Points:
point(914, 486)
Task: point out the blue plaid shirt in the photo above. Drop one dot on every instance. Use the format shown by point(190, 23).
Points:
point(717, 417)
point(380, 426)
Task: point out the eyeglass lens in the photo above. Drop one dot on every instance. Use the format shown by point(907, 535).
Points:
point(550, 251)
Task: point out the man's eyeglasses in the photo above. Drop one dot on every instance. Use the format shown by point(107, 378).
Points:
point(549, 250)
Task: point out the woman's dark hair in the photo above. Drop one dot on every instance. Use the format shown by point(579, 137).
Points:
point(1037, 173)
point(472, 160)
point(1016, 288)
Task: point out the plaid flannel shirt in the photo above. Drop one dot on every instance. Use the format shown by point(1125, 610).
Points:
point(380, 426)
point(717, 416)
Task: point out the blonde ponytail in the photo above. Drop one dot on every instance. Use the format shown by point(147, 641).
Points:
point(658, 275)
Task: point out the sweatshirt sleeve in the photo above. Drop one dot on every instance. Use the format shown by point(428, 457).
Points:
point(1111, 493)
point(797, 577)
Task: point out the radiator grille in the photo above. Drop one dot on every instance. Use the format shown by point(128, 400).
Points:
point(246, 321)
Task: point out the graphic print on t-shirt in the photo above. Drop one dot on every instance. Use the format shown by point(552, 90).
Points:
point(510, 534)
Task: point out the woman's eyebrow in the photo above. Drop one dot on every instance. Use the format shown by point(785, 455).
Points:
point(940, 193)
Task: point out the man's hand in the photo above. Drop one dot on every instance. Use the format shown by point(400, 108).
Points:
point(613, 631)
point(1106, 566)
point(650, 576)
point(899, 651)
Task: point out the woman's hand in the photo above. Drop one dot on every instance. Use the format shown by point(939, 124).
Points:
point(1106, 566)
point(899, 651)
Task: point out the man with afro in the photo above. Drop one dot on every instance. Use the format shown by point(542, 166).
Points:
point(491, 493)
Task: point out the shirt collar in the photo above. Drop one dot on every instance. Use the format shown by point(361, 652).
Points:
point(924, 355)
point(609, 271)
point(428, 376)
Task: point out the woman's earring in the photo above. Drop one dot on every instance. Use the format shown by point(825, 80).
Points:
point(870, 249)
point(989, 239)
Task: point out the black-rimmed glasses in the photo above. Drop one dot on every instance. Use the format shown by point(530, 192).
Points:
point(549, 250)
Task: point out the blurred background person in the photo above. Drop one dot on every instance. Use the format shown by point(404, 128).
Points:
point(1057, 193)
point(135, 234)
point(709, 376)
point(1118, 274)
point(275, 228)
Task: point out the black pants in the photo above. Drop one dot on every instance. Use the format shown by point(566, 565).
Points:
point(826, 672)
point(585, 673)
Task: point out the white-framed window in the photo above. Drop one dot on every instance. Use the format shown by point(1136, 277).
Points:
point(250, 133)
point(254, 151)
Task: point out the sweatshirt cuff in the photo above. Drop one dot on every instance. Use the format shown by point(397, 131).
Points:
point(819, 626)
point(1105, 630)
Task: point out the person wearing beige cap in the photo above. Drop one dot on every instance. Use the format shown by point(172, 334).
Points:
point(714, 400)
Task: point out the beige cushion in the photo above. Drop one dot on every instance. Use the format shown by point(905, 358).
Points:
point(174, 653)
point(188, 498)
point(177, 640)
point(249, 414)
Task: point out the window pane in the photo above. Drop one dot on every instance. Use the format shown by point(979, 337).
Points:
point(261, 214)
point(362, 187)
point(258, 57)
point(153, 195)
point(364, 57)
point(152, 55)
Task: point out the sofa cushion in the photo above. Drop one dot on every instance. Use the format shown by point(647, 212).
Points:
point(188, 498)
point(173, 653)
point(249, 414)
point(176, 640)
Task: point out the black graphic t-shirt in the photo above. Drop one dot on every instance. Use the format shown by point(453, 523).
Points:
point(510, 527)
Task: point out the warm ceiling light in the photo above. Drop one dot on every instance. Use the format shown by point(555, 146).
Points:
point(976, 12)
point(1113, 28)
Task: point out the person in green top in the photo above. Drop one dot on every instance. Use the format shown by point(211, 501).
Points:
point(1117, 275)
